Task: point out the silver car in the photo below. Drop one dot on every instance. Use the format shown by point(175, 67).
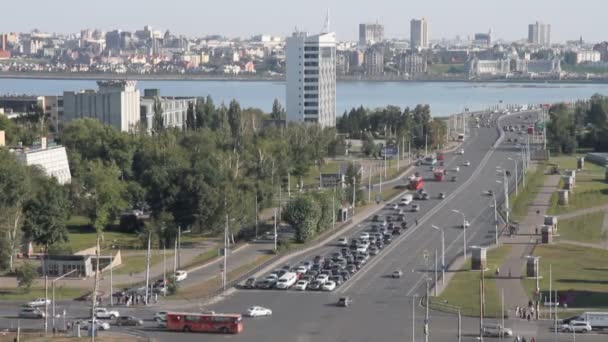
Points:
point(30, 312)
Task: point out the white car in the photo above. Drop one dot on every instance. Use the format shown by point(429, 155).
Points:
point(105, 313)
point(456, 169)
point(577, 326)
point(466, 224)
point(461, 151)
point(160, 316)
point(257, 311)
point(99, 325)
point(364, 236)
point(39, 302)
point(301, 285)
point(395, 206)
point(329, 286)
point(323, 278)
point(467, 163)
point(343, 242)
point(301, 269)
point(415, 207)
point(181, 275)
point(361, 248)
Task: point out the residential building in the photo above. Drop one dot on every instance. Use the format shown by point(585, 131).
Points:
point(52, 158)
point(539, 66)
point(175, 109)
point(369, 34)
point(116, 103)
point(4, 53)
point(356, 58)
point(588, 56)
point(342, 63)
point(480, 67)
point(539, 34)
point(412, 64)
point(419, 34)
point(373, 61)
point(311, 78)
point(113, 40)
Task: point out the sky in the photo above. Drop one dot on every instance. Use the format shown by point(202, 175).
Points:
point(245, 18)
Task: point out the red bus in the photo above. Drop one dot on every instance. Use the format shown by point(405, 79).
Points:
point(198, 322)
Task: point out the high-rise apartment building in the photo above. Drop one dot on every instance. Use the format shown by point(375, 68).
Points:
point(419, 33)
point(311, 78)
point(370, 34)
point(539, 34)
point(116, 103)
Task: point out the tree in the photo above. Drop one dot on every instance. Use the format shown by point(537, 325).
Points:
point(158, 121)
point(368, 146)
point(26, 274)
point(278, 113)
point(303, 214)
point(234, 120)
point(200, 115)
point(46, 213)
point(561, 129)
point(190, 117)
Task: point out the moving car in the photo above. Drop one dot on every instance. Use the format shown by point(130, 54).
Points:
point(160, 315)
point(577, 326)
point(397, 274)
point(301, 285)
point(99, 325)
point(330, 285)
point(415, 207)
point(30, 312)
point(257, 311)
point(39, 302)
point(496, 330)
point(461, 151)
point(441, 195)
point(467, 163)
point(466, 224)
point(181, 275)
point(129, 320)
point(344, 301)
point(105, 313)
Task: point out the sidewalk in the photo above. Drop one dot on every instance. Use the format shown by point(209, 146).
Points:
point(582, 212)
point(523, 243)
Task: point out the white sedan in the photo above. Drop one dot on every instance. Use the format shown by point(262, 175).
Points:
point(323, 278)
point(301, 285)
point(180, 275)
point(257, 311)
point(467, 163)
point(99, 325)
point(329, 286)
point(39, 302)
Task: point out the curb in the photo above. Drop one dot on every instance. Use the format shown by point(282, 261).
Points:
point(215, 259)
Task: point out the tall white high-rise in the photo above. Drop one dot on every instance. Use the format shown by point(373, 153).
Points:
point(311, 78)
point(539, 34)
point(419, 34)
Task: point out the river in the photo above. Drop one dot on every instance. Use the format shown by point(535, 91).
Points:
point(443, 97)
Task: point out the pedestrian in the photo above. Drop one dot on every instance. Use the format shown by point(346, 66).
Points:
point(517, 311)
point(416, 222)
point(536, 230)
point(528, 317)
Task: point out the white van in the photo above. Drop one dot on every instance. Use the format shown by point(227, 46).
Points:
point(407, 199)
point(287, 280)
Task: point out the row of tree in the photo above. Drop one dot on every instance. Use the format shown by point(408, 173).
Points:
point(582, 125)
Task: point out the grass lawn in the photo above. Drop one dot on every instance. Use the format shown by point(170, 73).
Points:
point(585, 228)
point(83, 236)
point(580, 274)
point(137, 263)
point(590, 190)
point(463, 288)
point(446, 68)
point(61, 293)
point(527, 194)
point(331, 166)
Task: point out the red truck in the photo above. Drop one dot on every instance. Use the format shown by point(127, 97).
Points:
point(440, 156)
point(439, 175)
point(416, 183)
point(531, 130)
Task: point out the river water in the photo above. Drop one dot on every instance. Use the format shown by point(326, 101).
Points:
point(443, 97)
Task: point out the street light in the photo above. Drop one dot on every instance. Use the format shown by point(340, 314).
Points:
point(53, 295)
point(495, 218)
point(464, 230)
point(442, 253)
point(516, 180)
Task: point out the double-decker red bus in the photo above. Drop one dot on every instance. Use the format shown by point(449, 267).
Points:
point(200, 322)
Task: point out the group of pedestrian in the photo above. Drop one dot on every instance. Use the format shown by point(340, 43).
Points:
point(525, 313)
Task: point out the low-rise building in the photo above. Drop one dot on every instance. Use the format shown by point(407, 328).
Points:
point(538, 66)
point(175, 109)
point(477, 67)
point(51, 158)
point(588, 56)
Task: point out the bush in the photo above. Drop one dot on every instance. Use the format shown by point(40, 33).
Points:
point(283, 245)
point(26, 275)
point(60, 248)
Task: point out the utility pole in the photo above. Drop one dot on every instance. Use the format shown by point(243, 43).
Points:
point(426, 143)
point(550, 293)
point(175, 259)
point(225, 270)
point(385, 162)
point(179, 247)
point(256, 215)
point(398, 157)
point(481, 307)
point(275, 230)
point(495, 219)
point(333, 209)
point(413, 319)
point(164, 270)
point(46, 295)
point(354, 192)
point(409, 152)
point(506, 188)
point(459, 326)
point(111, 281)
point(435, 272)
point(426, 318)
point(369, 185)
point(502, 311)
point(148, 267)
point(288, 185)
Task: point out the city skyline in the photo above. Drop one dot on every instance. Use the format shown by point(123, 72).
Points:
point(192, 19)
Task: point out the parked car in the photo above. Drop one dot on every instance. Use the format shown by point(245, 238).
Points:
point(257, 311)
point(314, 285)
point(107, 314)
point(180, 276)
point(330, 285)
point(301, 285)
point(129, 320)
point(249, 283)
point(342, 241)
point(31, 312)
point(415, 207)
point(39, 302)
point(344, 301)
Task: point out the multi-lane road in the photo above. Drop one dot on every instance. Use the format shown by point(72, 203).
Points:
point(383, 307)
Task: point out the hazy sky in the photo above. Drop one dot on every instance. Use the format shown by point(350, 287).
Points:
point(244, 18)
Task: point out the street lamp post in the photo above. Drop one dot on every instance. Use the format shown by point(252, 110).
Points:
point(495, 219)
point(53, 295)
point(516, 178)
point(442, 253)
point(464, 229)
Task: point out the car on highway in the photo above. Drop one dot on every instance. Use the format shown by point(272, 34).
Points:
point(98, 325)
point(31, 312)
point(456, 169)
point(129, 321)
point(461, 151)
point(257, 311)
point(180, 275)
point(397, 274)
point(161, 323)
point(441, 195)
point(576, 326)
point(301, 285)
point(160, 315)
point(39, 302)
point(330, 285)
point(106, 314)
point(342, 241)
point(344, 301)
point(489, 193)
point(415, 207)
point(249, 283)
point(466, 224)
point(467, 163)
point(496, 330)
